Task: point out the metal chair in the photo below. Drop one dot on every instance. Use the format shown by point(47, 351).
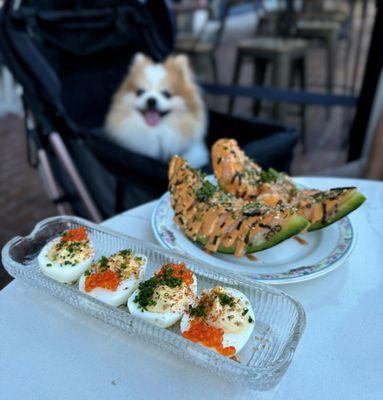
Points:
point(286, 56)
point(195, 45)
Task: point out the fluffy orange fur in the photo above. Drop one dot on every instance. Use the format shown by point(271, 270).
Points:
point(187, 120)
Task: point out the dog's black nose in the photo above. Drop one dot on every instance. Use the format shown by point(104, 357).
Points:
point(151, 102)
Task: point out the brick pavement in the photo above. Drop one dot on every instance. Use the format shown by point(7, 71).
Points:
point(23, 201)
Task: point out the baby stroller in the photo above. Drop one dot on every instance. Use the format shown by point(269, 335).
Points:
point(69, 57)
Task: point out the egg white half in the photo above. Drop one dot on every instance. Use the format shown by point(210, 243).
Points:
point(237, 340)
point(62, 273)
point(123, 291)
point(163, 320)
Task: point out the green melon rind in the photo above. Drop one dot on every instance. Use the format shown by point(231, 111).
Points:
point(294, 225)
point(349, 205)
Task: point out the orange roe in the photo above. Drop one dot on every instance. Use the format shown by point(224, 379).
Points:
point(75, 235)
point(107, 280)
point(179, 271)
point(200, 332)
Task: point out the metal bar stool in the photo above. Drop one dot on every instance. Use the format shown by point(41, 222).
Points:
point(285, 55)
point(328, 32)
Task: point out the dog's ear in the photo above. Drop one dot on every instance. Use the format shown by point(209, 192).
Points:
point(183, 64)
point(139, 58)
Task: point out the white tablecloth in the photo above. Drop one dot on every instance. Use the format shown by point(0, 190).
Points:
point(49, 350)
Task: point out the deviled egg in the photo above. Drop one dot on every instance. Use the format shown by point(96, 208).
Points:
point(113, 279)
point(221, 318)
point(163, 298)
point(68, 256)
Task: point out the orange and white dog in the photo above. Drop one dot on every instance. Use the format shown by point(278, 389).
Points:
point(158, 111)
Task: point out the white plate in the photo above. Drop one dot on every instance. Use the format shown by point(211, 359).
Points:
point(287, 262)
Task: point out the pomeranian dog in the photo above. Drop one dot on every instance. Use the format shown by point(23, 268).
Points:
point(158, 111)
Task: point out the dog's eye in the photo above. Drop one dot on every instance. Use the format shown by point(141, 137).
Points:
point(140, 92)
point(166, 94)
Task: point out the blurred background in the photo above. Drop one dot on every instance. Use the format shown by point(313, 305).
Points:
point(310, 69)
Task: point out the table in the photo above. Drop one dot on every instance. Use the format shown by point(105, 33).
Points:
point(48, 350)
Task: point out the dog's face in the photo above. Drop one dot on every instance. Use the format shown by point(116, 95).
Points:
point(158, 110)
point(159, 91)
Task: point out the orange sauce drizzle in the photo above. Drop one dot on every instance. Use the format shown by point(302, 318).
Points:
point(200, 332)
point(75, 235)
point(301, 241)
point(107, 280)
point(179, 271)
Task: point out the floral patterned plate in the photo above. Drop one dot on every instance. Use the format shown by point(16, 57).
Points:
point(288, 262)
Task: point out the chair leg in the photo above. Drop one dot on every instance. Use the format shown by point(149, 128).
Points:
point(331, 55)
point(281, 79)
point(259, 79)
point(214, 68)
point(235, 81)
point(302, 83)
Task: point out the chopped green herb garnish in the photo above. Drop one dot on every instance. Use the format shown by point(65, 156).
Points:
point(103, 260)
point(270, 175)
point(224, 197)
point(201, 175)
point(253, 209)
point(49, 265)
point(245, 311)
point(206, 191)
point(172, 281)
point(146, 291)
point(250, 320)
point(147, 288)
point(226, 300)
point(126, 252)
point(197, 311)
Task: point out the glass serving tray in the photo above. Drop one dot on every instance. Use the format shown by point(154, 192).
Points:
point(279, 319)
